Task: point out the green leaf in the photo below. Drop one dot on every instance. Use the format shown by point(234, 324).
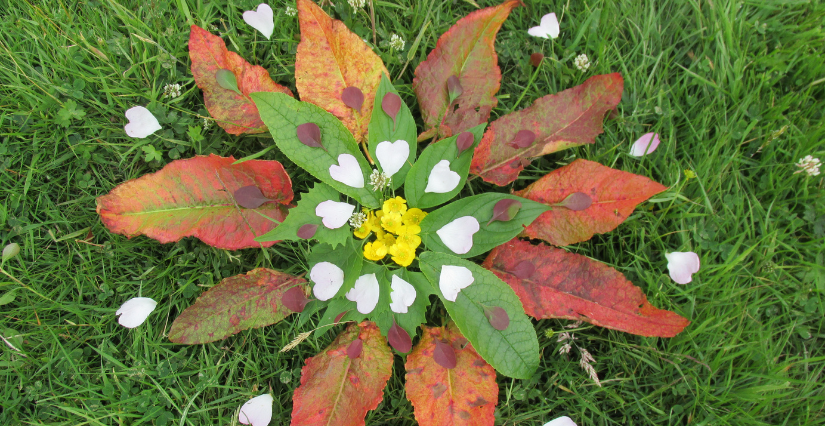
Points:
point(340, 303)
point(304, 214)
point(382, 128)
point(444, 149)
point(416, 312)
point(349, 258)
point(514, 351)
point(68, 112)
point(283, 114)
point(480, 207)
point(227, 80)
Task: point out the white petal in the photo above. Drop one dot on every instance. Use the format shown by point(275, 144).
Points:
point(392, 155)
point(550, 24)
point(682, 265)
point(365, 293)
point(645, 145)
point(402, 296)
point(328, 279)
point(453, 279)
point(134, 311)
point(261, 19)
point(538, 32)
point(442, 179)
point(347, 171)
point(257, 411)
point(141, 122)
point(561, 421)
point(458, 234)
point(334, 214)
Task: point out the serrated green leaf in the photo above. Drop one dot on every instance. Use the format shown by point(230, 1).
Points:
point(348, 258)
point(513, 351)
point(340, 303)
point(445, 149)
point(283, 114)
point(416, 312)
point(304, 214)
point(382, 129)
point(481, 208)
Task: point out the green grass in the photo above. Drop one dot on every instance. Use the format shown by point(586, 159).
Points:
point(715, 79)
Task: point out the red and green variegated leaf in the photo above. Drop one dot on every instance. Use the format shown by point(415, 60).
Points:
point(564, 120)
point(571, 286)
point(614, 195)
point(237, 303)
point(331, 58)
point(462, 396)
point(465, 51)
point(339, 390)
point(236, 113)
point(193, 197)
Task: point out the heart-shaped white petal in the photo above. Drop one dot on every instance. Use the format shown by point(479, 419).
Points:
point(645, 144)
point(141, 122)
point(134, 311)
point(334, 214)
point(549, 27)
point(458, 234)
point(257, 411)
point(261, 19)
point(561, 421)
point(402, 296)
point(682, 265)
point(453, 279)
point(442, 179)
point(328, 279)
point(365, 293)
point(392, 155)
point(347, 171)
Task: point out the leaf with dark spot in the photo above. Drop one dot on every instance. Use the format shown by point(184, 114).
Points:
point(523, 139)
point(355, 348)
point(295, 299)
point(353, 97)
point(309, 134)
point(250, 197)
point(399, 338)
point(307, 231)
point(505, 210)
point(497, 316)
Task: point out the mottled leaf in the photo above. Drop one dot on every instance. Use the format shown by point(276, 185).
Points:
point(571, 286)
point(614, 195)
point(188, 198)
point(237, 303)
point(331, 58)
point(465, 51)
point(462, 396)
point(338, 390)
point(564, 120)
point(235, 112)
point(295, 299)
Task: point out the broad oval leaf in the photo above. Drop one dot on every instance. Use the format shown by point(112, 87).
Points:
point(234, 112)
point(188, 198)
point(564, 120)
point(237, 303)
point(416, 312)
point(465, 51)
point(338, 390)
point(513, 352)
point(614, 194)
point(571, 286)
point(386, 127)
point(331, 58)
point(462, 396)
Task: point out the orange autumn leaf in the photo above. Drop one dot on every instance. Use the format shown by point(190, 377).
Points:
point(234, 112)
point(331, 58)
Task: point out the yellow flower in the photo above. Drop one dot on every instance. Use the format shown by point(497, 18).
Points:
point(410, 240)
point(391, 222)
point(413, 216)
point(409, 229)
point(402, 254)
point(395, 205)
point(388, 240)
point(375, 250)
point(366, 227)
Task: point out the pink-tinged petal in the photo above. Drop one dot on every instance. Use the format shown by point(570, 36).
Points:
point(453, 279)
point(347, 171)
point(334, 214)
point(365, 293)
point(257, 411)
point(442, 179)
point(135, 311)
point(262, 20)
point(141, 122)
point(402, 296)
point(682, 265)
point(561, 421)
point(328, 279)
point(458, 234)
point(645, 145)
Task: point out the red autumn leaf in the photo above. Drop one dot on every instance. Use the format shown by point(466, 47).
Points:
point(331, 58)
point(295, 299)
point(188, 198)
point(571, 286)
point(339, 390)
point(466, 51)
point(614, 195)
point(237, 303)
point(462, 396)
point(564, 120)
point(236, 113)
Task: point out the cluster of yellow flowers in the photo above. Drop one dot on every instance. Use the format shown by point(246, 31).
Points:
point(396, 230)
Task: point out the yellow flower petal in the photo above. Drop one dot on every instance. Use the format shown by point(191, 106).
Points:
point(402, 254)
point(395, 205)
point(413, 216)
point(391, 222)
point(375, 250)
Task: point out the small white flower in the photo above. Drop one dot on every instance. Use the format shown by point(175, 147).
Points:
point(365, 293)
point(809, 165)
point(207, 123)
point(682, 265)
point(135, 311)
point(357, 4)
point(396, 42)
point(549, 27)
point(171, 90)
point(290, 11)
point(257, 411)
point(379, 180)
point(357, 219)
point(582, 62)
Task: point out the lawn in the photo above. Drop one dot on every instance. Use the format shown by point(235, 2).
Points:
point(736, 89)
